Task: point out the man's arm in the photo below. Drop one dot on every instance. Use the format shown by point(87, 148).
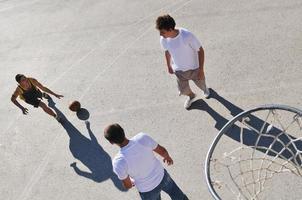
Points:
point(14, 100)
point(196, 45)
point(164, 153)
point(168, 60)
point(201, 62)
point(127, 183)
point(45, 89)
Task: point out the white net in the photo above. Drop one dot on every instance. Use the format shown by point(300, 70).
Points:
point(250, 157)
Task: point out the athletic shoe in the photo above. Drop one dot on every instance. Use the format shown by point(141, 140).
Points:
point(189, 102)
point(207, 93)
point(74, 164)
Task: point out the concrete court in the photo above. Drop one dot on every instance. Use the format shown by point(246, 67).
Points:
point(107, 55)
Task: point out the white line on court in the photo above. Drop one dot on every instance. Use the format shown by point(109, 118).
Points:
point(38, 173)
point(123, 52)
point(24, 195)
point(98, 46)
point(19, 5)
point(94, 49)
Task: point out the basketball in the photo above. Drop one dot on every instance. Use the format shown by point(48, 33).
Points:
point(75, 106)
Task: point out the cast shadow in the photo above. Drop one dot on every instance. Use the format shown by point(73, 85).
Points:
point(251, 137)
point(83, 114)
point(89, 152)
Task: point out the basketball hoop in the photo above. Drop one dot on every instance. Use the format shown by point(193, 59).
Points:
point(253, 148)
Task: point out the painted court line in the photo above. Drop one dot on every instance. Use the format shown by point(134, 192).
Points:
point(93, 50)
point(16, 6)
point(38, 173)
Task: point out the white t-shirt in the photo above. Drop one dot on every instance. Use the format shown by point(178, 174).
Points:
point(183, 50)
point(138, 161)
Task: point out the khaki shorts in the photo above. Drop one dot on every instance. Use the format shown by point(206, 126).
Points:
point(183, 78)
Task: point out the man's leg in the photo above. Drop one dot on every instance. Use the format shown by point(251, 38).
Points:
point(202, 85)
point(184, 87)
point(170, 187)
point(200, 82)
point(47, 109)
point(152, 195)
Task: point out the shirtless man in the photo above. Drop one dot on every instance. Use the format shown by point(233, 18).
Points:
point(29, 91)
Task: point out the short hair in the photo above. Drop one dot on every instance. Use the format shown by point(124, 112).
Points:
point(165, 22)
point(18, 77)
point(114, 133)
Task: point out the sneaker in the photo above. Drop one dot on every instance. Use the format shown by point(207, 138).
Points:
point(207, 93)
point(45, 95)
point(74, 164)
point(189, 102)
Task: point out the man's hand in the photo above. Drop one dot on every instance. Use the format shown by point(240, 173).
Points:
point(24, 111)
point(59, 96)
point(168, 160)
point(132, 181)
point(163, 153)
point(170, 70)
point(127, 183)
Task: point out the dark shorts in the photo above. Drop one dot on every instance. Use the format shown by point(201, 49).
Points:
point(34, 99)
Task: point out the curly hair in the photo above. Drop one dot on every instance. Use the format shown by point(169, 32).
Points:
point(165, 22)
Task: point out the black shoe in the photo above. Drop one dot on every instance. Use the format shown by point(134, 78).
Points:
point(73, 164)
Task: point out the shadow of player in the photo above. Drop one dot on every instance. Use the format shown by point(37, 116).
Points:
point(89, 152)
point(251, 138)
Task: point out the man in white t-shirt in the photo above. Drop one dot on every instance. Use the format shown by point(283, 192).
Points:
point(184, 56)
point(136, 165)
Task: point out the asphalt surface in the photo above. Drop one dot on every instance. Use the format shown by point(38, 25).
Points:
point(106, 54)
